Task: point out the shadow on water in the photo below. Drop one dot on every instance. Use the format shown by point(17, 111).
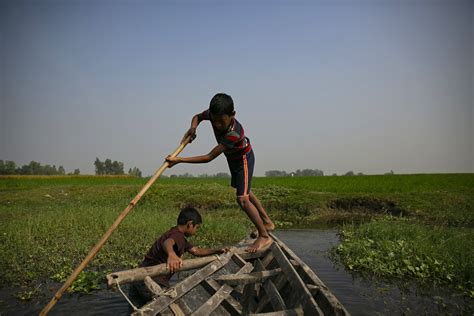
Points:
point(360, 296)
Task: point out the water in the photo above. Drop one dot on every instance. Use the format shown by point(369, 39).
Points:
point(359, 295)
point(362, 296)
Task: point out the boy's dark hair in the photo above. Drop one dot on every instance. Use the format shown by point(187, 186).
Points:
point(221, 104)
point(189, 213)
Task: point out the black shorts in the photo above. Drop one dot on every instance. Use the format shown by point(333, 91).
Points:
point(242, 172)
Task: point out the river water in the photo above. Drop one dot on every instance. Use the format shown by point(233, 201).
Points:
point(360, 296)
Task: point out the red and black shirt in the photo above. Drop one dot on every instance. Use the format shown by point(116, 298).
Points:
point(233, 139)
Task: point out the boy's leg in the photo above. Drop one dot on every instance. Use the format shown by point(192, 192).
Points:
point(267, 222)
point(242, 172)
point(263, 238)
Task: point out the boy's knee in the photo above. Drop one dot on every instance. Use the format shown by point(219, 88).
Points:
point(243, 200)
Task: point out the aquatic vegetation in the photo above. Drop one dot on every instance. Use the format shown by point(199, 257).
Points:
point(394, 248)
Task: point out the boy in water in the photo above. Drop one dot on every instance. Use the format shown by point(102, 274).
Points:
point(240, 158)
point(169, 249)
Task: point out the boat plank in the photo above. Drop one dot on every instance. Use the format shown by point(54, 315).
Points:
point(221, 294)
point(275, 298)
point(326, 300)
point(230, 303)
point(253, 277)
point(306, 299)
point(184, 286)
point(288, 312)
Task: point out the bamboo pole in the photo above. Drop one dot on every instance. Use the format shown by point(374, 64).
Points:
point(109, 232)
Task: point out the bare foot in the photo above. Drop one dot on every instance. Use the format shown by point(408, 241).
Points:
point(269, 227)
point(260, 242)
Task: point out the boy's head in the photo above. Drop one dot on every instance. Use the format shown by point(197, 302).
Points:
point(190, 218)
point(221, 111)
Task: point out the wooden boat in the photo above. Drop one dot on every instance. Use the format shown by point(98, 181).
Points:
point(273, 281)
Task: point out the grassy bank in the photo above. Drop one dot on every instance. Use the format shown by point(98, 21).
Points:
point(48, 224)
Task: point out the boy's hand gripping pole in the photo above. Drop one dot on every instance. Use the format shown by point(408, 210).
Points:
point(109, 232)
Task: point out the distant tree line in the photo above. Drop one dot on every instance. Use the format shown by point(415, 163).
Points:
point(109, 167)
point(311, 173)
point(297, 173)
point(33, 168)
point(204, 175)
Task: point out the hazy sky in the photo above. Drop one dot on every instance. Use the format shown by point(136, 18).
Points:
point(367, 86)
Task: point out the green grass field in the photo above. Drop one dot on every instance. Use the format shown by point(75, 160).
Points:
point(48, 224)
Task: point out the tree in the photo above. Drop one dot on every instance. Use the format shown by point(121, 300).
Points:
point(222, 175)
point(186, 175)
point(77, 172)
point(7, 167)
point(275, 173)
point(99, 167)
point(349, 173)
point(61, 170)
point(108, 166)
point(117, 167)
point(135, 172)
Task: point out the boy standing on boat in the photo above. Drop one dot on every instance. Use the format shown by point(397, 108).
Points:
point(240, 158)
point(169, 249)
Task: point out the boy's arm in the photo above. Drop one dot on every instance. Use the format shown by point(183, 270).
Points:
point(192, 130)
point(174, 262)
point(216, 151)
point(202, 252)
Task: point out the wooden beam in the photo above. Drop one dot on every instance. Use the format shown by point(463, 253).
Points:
point(162, 302)
point(239, 260)
point(306, 299)
point(254, 277)
point(230, 303)
point(275, 298)
point(215, 300)
point(267, 259)
point(152, 286)
point(314, 289)
point(156, 289)
point(325, 298)
point(139, 274)
point(287, 312)
point(264, 300)
point(248, 299)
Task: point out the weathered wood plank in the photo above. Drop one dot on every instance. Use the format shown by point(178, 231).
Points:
point(267, 259)
point(239, 260)
point(230, 304)
point(324, 297)
point(265, 299)
point(138, 274)
point(156, 289)
point(313, 289)
point(184, 286)
point(248, 299)
point(177, 311)
point(253, 277)
point(275, 298)
point(211, 304)
point(287, 312)
point(306, 299)
point(152, 286)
